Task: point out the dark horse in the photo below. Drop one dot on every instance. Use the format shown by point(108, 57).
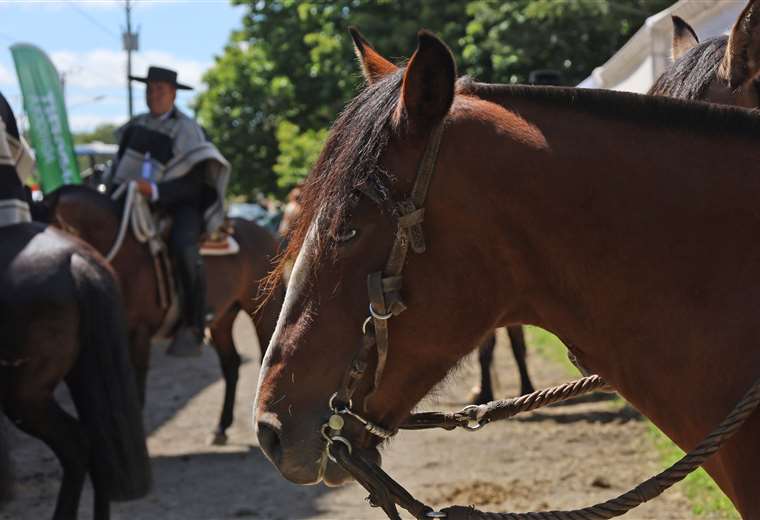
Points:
point(233, 283)
point(721, 70)
point(5, 468)
point(625, 224)
point(61, 317)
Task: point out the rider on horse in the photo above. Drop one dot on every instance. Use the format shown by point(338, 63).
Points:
point(181, 173)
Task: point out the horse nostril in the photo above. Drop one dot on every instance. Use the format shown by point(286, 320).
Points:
point(269, 442)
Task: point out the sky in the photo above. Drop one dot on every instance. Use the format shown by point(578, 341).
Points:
point(83, 39)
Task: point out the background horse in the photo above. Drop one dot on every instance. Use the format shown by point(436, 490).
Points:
point(61, 318)
point(721, 70)
point(598, 209)
point(233, 283)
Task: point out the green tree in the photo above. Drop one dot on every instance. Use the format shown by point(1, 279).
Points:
point(507, 40)
point(105, 133)
point(288, 71)
point(298, 152)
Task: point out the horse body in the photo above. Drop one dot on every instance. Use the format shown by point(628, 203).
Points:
point(61, 317)
point(232, 284)
point(635, 265)
point(624, 224)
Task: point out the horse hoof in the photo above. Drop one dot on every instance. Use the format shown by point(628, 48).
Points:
point(218, 439)
point(478, 397)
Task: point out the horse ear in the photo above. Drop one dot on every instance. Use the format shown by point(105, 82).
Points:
point(428, 88)
point(684, 38)
point(742, 59)
point(374, 66)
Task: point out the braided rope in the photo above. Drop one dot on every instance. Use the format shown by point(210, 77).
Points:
point(503, 409)
point(643, 492)
point(131, 188)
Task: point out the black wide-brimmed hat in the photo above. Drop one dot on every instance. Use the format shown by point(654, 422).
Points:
point(162, 74)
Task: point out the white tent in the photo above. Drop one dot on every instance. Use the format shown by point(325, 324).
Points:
point(645, 56)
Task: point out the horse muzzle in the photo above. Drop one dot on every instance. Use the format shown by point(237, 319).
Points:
point(303, 459)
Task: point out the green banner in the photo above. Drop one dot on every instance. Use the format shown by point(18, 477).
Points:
point(49, 125)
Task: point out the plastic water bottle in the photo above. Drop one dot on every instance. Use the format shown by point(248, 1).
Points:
point(147, 168)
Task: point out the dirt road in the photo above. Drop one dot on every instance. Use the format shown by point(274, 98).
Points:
point(565, 457)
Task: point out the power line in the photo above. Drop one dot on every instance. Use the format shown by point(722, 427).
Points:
point(92, 20)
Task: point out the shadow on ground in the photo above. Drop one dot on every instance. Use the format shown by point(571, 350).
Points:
point(624, 414)
point(250, 489)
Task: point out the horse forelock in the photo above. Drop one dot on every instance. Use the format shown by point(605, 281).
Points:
point(690, 76)
point(349, 161)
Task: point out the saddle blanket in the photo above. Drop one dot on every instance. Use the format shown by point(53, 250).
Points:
point(225, 245)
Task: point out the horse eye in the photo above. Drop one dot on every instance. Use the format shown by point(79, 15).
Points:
point(346, 236)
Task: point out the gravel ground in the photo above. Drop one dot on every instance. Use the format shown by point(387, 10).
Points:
point(561, 457)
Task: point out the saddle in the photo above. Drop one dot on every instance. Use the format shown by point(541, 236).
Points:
point(220, 242)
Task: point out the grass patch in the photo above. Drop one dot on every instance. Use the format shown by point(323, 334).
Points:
point(705, 497)
point(549, 347)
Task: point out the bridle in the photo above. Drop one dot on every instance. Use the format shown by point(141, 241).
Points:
point(385, 301)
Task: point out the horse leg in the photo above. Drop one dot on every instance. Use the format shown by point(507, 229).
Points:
point(229, 359)
point(517, 340)
point(47, 421)
point(485, 356)
point(139, 353)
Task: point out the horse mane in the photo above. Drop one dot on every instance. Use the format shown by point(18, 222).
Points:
point(659, 111)
point(99, 200)
point(692, 73)
point(349, 161)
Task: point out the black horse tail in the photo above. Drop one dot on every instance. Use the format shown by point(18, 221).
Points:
point(5, 465)
point(103, 386)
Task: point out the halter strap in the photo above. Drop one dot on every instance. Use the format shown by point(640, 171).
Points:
point(384, 287)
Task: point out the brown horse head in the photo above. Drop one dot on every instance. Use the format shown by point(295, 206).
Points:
point(349, 223)
point(720, 70)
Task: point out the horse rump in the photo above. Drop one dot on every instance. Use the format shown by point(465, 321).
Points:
point(104, 389)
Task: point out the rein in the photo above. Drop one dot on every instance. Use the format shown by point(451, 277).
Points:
point(384, 289)
point(137, 213)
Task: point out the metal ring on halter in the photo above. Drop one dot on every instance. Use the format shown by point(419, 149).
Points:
point(379, 316)
point(345, 409)
point(341, 440)
point(436, 514)
point(364, 325)
point(473, 423)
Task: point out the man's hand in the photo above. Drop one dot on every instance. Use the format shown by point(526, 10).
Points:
point(145, 188)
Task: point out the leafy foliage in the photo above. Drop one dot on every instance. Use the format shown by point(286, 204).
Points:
point(288, 71)
point(105, 133)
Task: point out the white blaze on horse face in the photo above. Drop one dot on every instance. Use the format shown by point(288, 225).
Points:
point(296, 283)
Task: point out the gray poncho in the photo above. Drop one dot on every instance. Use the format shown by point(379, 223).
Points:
point(168, 148)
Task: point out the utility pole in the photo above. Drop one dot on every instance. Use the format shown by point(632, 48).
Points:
point(130, 44)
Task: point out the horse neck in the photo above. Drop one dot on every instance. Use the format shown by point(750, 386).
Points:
point(82, 212)
point(624, 239)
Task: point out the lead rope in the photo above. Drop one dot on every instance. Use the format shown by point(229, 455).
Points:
point(386, 493)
